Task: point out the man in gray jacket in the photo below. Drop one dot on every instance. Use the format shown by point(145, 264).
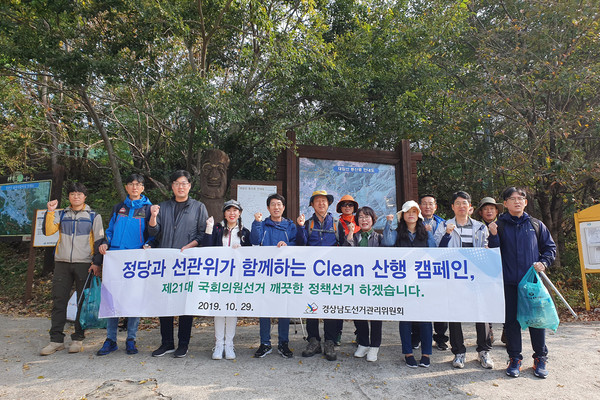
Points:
point(462, 231)
point(178, 223)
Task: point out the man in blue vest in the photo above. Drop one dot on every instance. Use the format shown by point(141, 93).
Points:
point(320, 230)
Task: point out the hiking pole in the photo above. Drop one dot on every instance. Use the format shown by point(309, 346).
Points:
point(547, 280)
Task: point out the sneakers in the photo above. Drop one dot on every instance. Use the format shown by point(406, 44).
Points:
point(229, 352)
point(163, 349)
point(284, 350)
point(410, 361)
point(539, 367)
point(485, 360)
point(181, 351)
point(329, 350)
point(514, 367)
point(76, 346)
point(130, 347)
point(53, 347)
point(372, 354)
point(218, 351)
point(459, 360)
point(361, 351)
point(338, 339)
point(424, 362)
point(313, 347)
point(442, 346)
point(108, 347)
point(263, 350)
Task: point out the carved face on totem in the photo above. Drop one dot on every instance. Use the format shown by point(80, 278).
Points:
point(213, 175)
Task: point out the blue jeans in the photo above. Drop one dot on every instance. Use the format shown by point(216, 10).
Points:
point(112, 324)
point(283, 330)
point(426, 337)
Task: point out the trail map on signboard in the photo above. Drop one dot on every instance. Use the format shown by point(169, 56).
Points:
point(18, 202)
point(370, 184)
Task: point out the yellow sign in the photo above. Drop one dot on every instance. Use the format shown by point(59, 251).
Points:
point(587, 225)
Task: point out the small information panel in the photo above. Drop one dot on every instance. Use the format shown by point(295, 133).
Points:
point(39, 239)
point(587, 226)
point(590, 242)
point(253, 195)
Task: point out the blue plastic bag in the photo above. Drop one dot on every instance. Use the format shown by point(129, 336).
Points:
point(535, 307)
point(90, 306)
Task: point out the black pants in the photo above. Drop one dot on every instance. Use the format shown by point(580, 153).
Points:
point(457, 340)
point(331, 327)
point(184, 333)
point(440, 329)
point(362, 329)
point(62, 282)
point(512, 329)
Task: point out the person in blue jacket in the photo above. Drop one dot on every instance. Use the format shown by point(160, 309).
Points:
point(321, 229)
point(278, 231)
point(127, 229)
point(524, 242)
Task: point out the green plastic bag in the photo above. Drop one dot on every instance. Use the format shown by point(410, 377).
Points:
point(535, 307)
point(88, 318)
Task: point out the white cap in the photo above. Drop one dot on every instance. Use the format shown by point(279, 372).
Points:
point(407, 206)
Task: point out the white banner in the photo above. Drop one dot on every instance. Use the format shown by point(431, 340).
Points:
point(384, 283)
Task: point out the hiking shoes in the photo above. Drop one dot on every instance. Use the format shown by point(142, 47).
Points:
point(539, 367)
point(313, 347)
point(459, 360)
point(284, 350)
point(329, 350)
point(130, 347)
point(76, 346)
point(108, 347)
point(53, 347)
point(514, 367)
point(263, 350)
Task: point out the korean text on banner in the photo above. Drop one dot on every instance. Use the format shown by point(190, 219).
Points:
point(411, 284)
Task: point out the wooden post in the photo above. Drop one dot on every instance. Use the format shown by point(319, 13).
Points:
point(30, 266)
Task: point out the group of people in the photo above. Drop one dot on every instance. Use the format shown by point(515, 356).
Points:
point(182, 222)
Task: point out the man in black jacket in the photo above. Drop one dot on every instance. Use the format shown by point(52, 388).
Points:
point(178, 223)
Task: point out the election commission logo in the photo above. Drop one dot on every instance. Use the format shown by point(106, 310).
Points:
point(311, 308)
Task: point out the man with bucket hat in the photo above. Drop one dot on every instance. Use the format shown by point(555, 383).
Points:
point(489, 210)
point(320, 230)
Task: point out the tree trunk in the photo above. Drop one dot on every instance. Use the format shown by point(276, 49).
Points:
point(112, 159)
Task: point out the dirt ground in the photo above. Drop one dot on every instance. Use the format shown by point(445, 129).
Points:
point(574, 365)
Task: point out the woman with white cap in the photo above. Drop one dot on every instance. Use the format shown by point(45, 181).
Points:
point(228, 233)
point(411, 232)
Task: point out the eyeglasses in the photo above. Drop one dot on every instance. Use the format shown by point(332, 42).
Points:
point(364, 217)
point(515, 199)
point(136, 184)
point(347, 204)
point(180, 184)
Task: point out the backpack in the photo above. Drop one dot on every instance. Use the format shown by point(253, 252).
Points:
point(535, 224)
point(336, 221)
